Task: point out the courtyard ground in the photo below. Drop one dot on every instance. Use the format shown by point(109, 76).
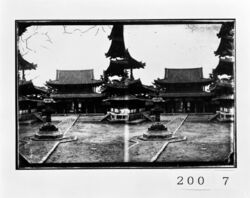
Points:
point(103, 142)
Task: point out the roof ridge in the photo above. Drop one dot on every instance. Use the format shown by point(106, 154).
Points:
point(184, 74)
point(75, 70)
point(183, 68)
point(85, 76)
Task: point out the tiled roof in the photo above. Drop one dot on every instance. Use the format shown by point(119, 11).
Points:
point(129, 86)
point(75, 77)
point(116, 67)
point(68, 96)
point(28, 88)
point(125, 85)
point(225, 97)
point(184, 95)
point(224, 67)
point(124, 98)
point(226, 47)
point(226, 30)
point(189, 75)
point(222, 85)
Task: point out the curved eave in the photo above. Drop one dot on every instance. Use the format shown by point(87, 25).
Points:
point(149, 89)
point(41, 90)
point(124, 98)
point(134, 86)
point(27, 100)
point(221, 85)
point(114, 89)
point(224, 67)
point(223, 99)
point(126, 63)
point(228, 97)
point(186, 95)
point(78, 96)
point(166, 82)
point(57, 83)
point(124, 85)
point(226, 47)
point(133, 62)
point(116, 67)
point(226, 29)
point(28, 88)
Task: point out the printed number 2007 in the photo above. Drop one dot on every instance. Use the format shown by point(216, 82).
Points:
point(190, 180)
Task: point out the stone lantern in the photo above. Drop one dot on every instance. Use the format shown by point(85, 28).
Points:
point(157, 110)
point(157, 130)
point(48, 131)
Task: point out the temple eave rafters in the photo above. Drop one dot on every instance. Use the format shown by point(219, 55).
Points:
point(117, 66)
point(167, 82)
point(186, 95)
point(59, 84)
point(77, 95)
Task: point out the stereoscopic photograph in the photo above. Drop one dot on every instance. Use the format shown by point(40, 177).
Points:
point(125, 93)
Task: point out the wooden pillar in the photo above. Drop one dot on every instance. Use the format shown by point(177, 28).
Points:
point(172, 107)
point(80, 106)
point(29, 108)
point(204, 109)
point(184, 106)
point(76, 107)
point(72, 106)
point(188, 106)
point(94, 108)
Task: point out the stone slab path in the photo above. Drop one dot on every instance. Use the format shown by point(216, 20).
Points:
point(38, 151)
point(145, 151)
point(95, 142)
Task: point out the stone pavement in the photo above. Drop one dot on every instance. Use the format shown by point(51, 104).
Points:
point(37, 151)
point(145, 151)
point(107, 140)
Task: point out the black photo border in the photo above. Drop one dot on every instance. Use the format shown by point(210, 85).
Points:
point(121, 165)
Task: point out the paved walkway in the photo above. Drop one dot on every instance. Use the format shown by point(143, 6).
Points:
point(146, 151)
point(91, 119)
point(108, 139)
point(103, 142)
point(38, 151)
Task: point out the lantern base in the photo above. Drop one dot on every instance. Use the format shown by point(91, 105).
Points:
point(48, 132)
point(157, 132)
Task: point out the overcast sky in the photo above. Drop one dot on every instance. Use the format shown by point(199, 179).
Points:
point(84, 47)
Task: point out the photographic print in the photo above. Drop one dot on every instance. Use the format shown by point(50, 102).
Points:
point(125, 93)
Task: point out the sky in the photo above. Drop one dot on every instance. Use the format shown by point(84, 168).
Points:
point(84, 47)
